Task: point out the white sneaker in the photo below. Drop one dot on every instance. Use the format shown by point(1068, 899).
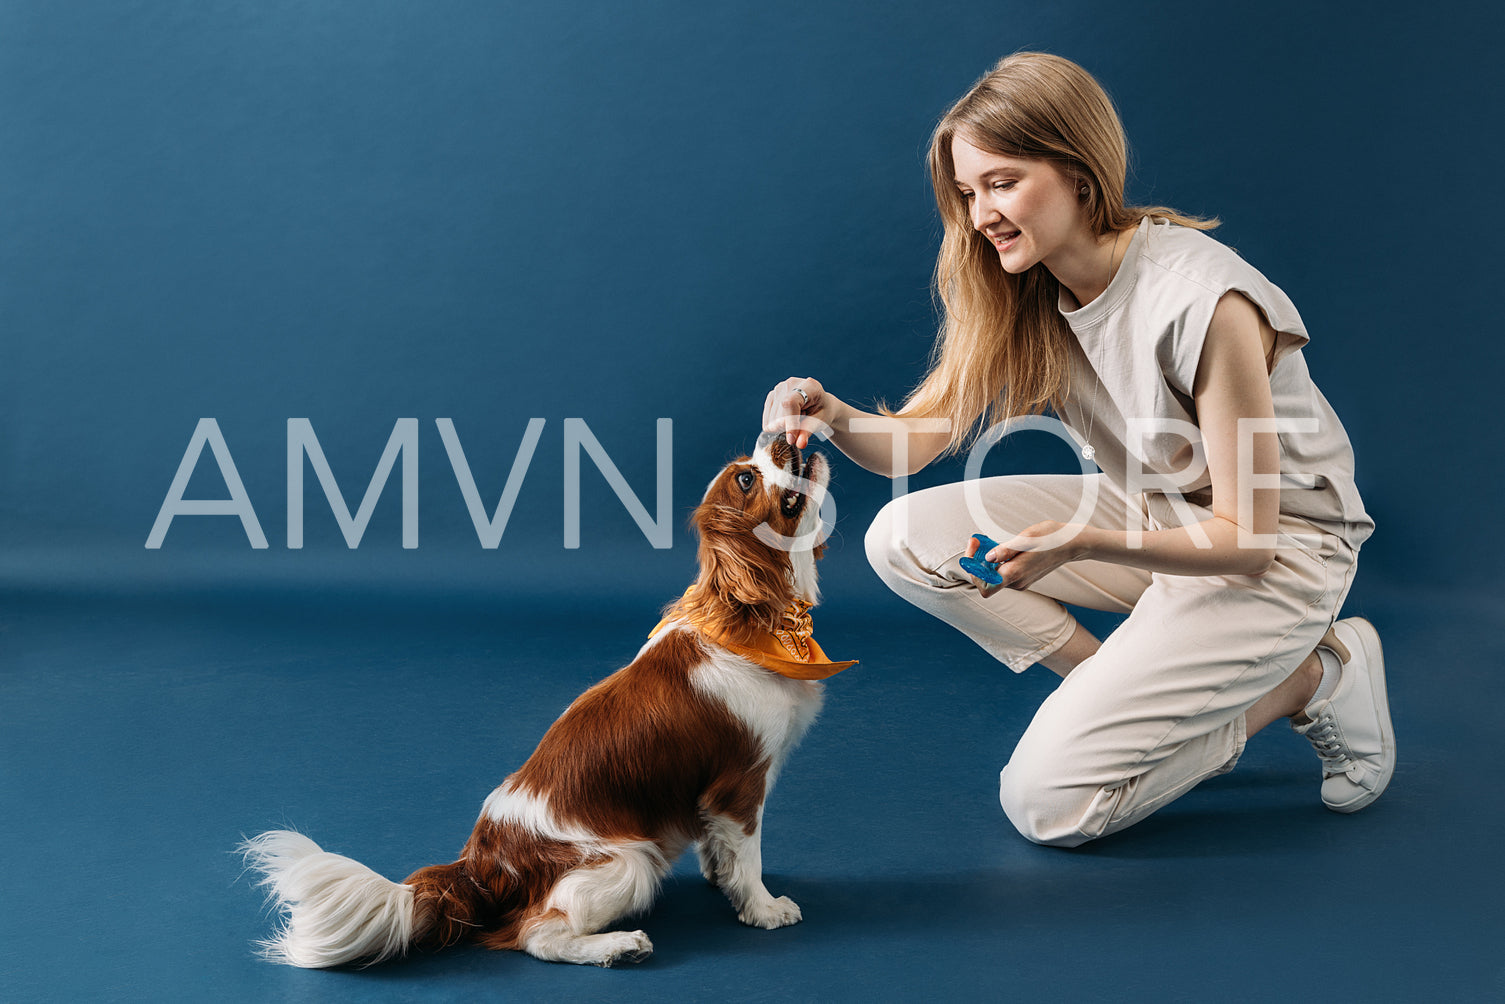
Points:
point(1351, 728)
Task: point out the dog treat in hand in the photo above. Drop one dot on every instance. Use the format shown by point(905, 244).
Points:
point(976, 566)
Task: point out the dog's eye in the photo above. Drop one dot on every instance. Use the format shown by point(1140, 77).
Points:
point(745, 481)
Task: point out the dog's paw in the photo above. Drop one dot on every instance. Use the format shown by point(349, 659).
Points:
point(774, 913)
point(624, 946)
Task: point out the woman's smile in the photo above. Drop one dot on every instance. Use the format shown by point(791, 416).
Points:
point(1004, 239)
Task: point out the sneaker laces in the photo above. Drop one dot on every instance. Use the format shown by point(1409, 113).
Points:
point(1334, 753)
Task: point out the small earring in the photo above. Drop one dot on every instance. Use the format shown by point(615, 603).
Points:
point(1085, 191)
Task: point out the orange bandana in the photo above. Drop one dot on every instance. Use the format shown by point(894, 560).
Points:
point(789, 649)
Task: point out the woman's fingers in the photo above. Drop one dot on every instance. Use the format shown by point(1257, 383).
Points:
point(788, 405)
point(794, 410)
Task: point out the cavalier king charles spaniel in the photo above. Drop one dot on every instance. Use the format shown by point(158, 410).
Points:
point(677, 749)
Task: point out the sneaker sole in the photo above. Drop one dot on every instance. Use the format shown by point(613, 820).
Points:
point(1363, 636)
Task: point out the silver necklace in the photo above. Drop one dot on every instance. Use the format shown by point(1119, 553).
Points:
point(1088, 450)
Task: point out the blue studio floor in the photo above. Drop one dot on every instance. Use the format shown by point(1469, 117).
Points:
point(142, 738)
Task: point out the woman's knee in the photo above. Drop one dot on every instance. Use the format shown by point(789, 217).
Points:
point(886, 542)
point(1044, 805)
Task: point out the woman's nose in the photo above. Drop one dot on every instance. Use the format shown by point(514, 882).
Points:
point(983, 214)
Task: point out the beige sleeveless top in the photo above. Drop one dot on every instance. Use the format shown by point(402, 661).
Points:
point(1139, 344)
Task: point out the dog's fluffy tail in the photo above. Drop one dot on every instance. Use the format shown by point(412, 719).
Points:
point(337, 911)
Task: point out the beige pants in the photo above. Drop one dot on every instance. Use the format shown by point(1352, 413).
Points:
point(1161, 705)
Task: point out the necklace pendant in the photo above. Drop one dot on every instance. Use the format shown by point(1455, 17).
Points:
point(1088, 452)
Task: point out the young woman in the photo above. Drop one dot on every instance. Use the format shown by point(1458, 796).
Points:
point(1223, 518)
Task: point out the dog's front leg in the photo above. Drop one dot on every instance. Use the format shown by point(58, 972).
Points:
point(732, 857)
point(705, 853)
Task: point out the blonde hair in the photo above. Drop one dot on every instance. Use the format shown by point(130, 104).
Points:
point(1003, 348)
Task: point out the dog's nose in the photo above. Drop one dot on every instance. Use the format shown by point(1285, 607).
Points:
point(780, 450)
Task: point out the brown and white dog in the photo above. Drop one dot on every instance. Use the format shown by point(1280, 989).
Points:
point(679, 748)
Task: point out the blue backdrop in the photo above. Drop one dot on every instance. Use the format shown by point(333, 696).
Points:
point(587, 217)
point(493, 212)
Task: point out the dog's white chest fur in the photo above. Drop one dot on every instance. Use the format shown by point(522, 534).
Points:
point(776, 709)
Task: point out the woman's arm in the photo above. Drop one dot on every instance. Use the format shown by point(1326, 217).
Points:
point(892, 447)
point(1232, 383)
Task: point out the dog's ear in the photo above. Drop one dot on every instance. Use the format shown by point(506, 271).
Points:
point(736, 565)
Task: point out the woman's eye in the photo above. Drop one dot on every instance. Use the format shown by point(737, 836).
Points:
point(1003, 186)
point(745, 481)
point(966, 196)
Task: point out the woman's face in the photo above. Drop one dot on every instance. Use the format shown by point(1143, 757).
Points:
point(1028, 208)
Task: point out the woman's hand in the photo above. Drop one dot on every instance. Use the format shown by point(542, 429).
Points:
point(792, 405)
point(1033, 554)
